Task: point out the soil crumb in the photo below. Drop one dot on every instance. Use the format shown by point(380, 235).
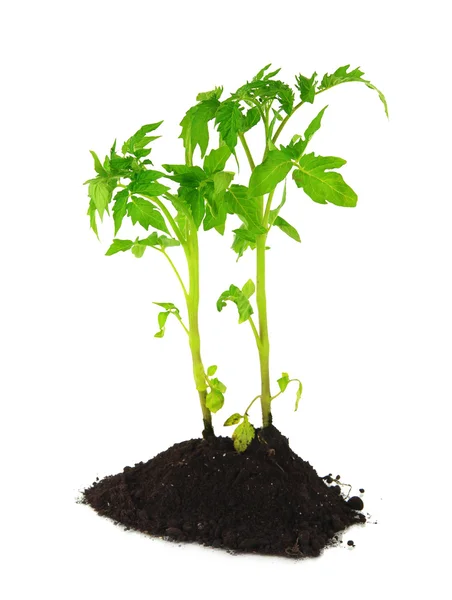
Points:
point(267, 500)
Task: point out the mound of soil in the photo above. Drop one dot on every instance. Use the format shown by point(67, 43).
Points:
point(267, 500)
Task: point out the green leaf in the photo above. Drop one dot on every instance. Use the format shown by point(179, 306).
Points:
point(314, 125)
point(167, 306)
point(299, 391)
point(244, 206)
point(145, 213)
point(261, 73)
point(283, 382)
point(298, 145)
point(138, 250)
point(216, 160)
point(217, 220)
point(216, 384)
point(211, 370)
point(186, 175)
point(151, 240)
point(249, 288)
point(119, 246)
point(267, 175)
point(243, 435)
point(214, 400)
point(229, 119)
point(286, 97)
point(236, 295)
point(195, 131)
point(287, 229)
point(343, 75)
point(251, 119)
point(233, 420)
point(212, 95)
point(145, 184)
point(167, 242)
point(100, 192)
point(170, 309)
point(119, 208)
point(321, 184)
point(92, 217)
point(97, 164)
point(306, 86)
point(193, 198)
point(221, 181)
point(136, 143)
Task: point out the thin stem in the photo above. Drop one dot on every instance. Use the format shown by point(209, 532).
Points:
point(251, 403)
point(179, 318)
point(173, 266)
point(255, 332)
point(247, 150)
point(268, 207)
point(284, 121)
point(264, 348)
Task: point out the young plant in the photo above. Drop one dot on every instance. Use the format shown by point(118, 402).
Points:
point(272, 103)
point(129, 182)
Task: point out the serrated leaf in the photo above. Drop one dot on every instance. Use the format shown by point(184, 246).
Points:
point(97, 164)
point(268, 174)
point(321, 184)
point(251, 118)
point(195, 131)
point(243, 435)
point(92, 217)
point(138, 250)
point(244, 206)
point(119, 246)
point(211, 370)
point(186, 175)
point(135, 144)
point(235, 294)
point(151, 240)
point(229, 120)
point(216, 160)
point(100, 192)
point(299, 392)
point(145, 213)
point(214, 400)
point(241, 243)
point(307, 87)
point(217, 221)
point(287, 228)
point(233, 420)
point(283, 381)
point(193, 198)
point(119, 208)
point(145, 184)
point(343, 75)
point(298, 145)
point(212, 95)
point(167, 242)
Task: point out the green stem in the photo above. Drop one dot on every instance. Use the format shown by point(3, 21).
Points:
point(264, 347)
point(247, 151)
point(173, 266)
point(284, 121)
point(251, 403)
point(192, 254)
point(255, 332)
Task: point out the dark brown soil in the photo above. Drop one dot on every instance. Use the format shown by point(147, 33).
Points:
point(267, 500)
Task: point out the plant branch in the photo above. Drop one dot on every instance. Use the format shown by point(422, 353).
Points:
point(255, 332)
point(251, 403)
point(247, 150)
point(173, 266)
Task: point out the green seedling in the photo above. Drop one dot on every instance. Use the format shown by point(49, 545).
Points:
point(271, 103)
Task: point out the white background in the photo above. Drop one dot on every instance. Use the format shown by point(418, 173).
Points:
point(360, 311)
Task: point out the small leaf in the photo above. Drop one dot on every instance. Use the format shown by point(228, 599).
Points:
point(283, 382)
point(221, 181)
point(267, 175)
point(119, 246)
point(146, 214)
point(167, 305)
point(214, 400)
point(186, 175)
point(342, 75)
point(306, 86)
point(138, 250)
point(194, 199)
point(167, 242)
point(97, 164)
point(100, 193)
point(92, 217)
point(251, 119)
point(274, 213)
point(299, 391)
point(216, 384)
point(234, 294)
point(216, 160)
point(151, 240)
point(195, 131)
point(135, 144)
point(233, 420)
point(119, 208)
point(214, 94)
point(241, 203)
point(287, 228)
point(243, 435)
point(321, 184)
point(229, 119)
point(162, 318)
point(211, 370)
point(249, 288)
